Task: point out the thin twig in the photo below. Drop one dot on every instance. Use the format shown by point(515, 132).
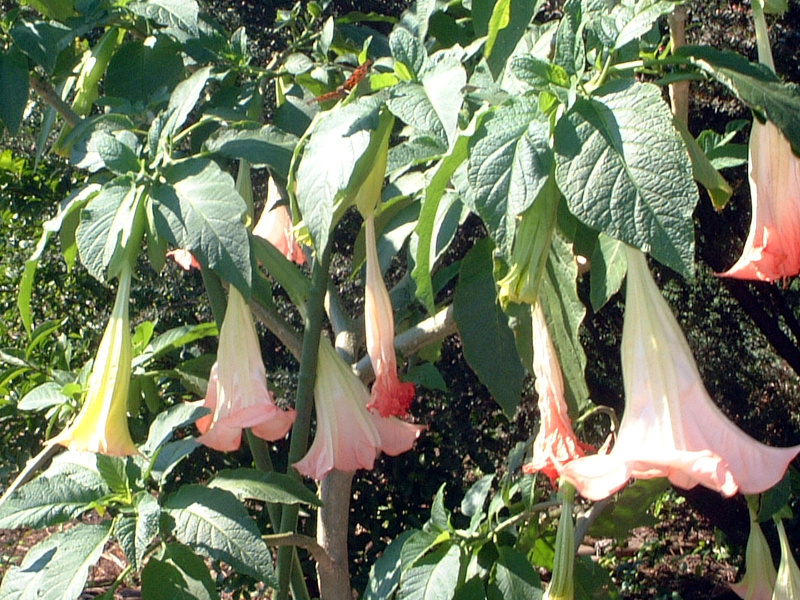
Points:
point(49, 95)
point(305, 542)
point(30, 469)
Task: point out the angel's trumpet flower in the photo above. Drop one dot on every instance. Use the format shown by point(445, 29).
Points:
point(275, 226)
point(759, 575)
point(671, 427)
point(102, 423)
point(349, 436)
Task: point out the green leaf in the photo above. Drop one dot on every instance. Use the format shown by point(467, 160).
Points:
point(417, 545)
point(170, 456)
point(264, 147)
point(384, 575)
point(426, 375)
point(488, 18)
point(47, 501)
point(408, 49)
point(182, 101)
point(608, 270)
point(143, 72)
point(177, 14)
point(56, 568)
point(43, 396)
point(510, 161)
point(539, 74)
point(324, 177)
point(58, 10)
point(774, 499)
point(754, 84)
point(432, 106)
point(471, 590)
point(174, 339)
point(14, 83)
point(268, 487)
point(476, 496)
point(214, 523)
point(515, 577)
point(624, 171)
point(434, 577)
point(177, 574)
point(167, 422)
point(103, 225)
point(488, 340)
point(593, 582)
point(630, 509)
point(426, 224)
point(198, 209)
point(569, 52)
point(704, 171)
point(633, 18)
point(136, 532)
point(42, 41)
point(440, 515)
point(501, 17)
point(564, 313)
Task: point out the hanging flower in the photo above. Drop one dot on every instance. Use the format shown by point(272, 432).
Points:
point(759, 575)
point(390, 396)
point(237, 390)
point(349, 436)
point(184, 259)
point(787, 583)
point(671, 427)
point(555, 444)
point(102, 423)
point(772, 249)
point(275, 226)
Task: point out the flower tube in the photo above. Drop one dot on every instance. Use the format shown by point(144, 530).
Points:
point(555, 444)
point(759, 575)
point(390, 396)
point(102, 423)
point(237, 390)
point(562, 582)
point(275, 226)
point(671, 427)
point(787, 582)
point(349, 436)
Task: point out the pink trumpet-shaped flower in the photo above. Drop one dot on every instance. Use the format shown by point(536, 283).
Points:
point(102, 423)
point(184, 259)
point(671, 427)
point(390, 396)
point(237, 388)
point(349, 436)
point(759, 575)
point(275, 226)
point(772, 248)
point(787, 582)
point(555, 444)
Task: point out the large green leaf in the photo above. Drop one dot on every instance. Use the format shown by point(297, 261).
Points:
point(432, 106)
point(182, 101)
point(43, 396)
point(408, 49)
point(47, 501)
point(505, 39)
point(592, 581)
point(631, 19)
point(174, 339)
point(267, 487)
point(630, 509)
point(56, 568)
point(609, 266)
point(177, 573)
point(144, 72)
point(178, 14)
point(510, 161)
point(339, 141)
point(564, 313)
point(488, 340)
point(514, 577)
point(433, 578)
point(264, 147)
point(625, 171)
point(167, 421)
point(42, 41)
point(135, 532)
point(384, 575)
point(199, 209)
point(104, 223)
point(213, 522)
point(754, 84)
point(14, 83)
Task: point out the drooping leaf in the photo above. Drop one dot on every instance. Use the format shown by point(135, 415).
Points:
point(487, 18)
point(434, 577)
point(171, 454)
point(704, 171)
point(174, 339)
point(624, 171)
point(754, 84)
point(56, 568)
point(198, 209)
point(178, 14)
point(177, 573)
point(14, 83)
point(167, 422)
point(631, 19)
point(488, 341)
point(214, 523)
point(42, 41)
point(510, 161)
point(514, 577)
point(43, 396)
point(418, 544)
point(630, 509)
point(267, 487)
point(608, 268)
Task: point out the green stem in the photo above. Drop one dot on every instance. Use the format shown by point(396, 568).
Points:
point(216, 295)
point(298, 444)
point(762, 36)
point(263, 462)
